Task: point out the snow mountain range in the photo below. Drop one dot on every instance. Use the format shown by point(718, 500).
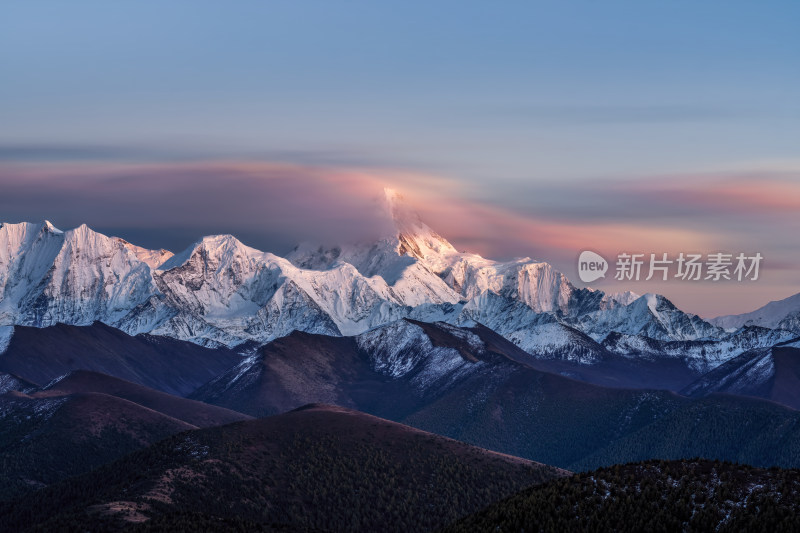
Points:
point(220, 292)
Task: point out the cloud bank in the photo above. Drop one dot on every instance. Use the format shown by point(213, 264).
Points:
point(273, 206)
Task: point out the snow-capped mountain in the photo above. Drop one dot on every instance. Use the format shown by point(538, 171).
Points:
point(769, 372)
point(222, 292)
point(542, 334)
point(423, 267)
point(651, 315)
point(783, 314)
point(76, 277)
point(404, 350)
point(700, 355)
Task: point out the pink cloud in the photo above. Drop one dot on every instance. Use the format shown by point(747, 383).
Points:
point(273, 206)
point(330, 203)
point(752, 194)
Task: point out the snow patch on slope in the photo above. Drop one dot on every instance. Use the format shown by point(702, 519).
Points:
point(403, 349)
point(6, 332)
point(742, 375)
point(21, 410)
point(650, 315)
point(768, 316)
point(8, 383)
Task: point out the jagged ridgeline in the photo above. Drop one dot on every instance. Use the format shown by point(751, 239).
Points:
point(220, 292)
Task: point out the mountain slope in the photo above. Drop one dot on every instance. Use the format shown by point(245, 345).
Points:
point(76, 277)
point(723, 427)
point(651, 315)
point(690, 495)
point(27, 253)
point(698, 356)
point(292, 371)
point(316, 468)
point(10, 382)
point(192, 412)
point(772, 373)
point(780, 313)
point(473, 385)
point(48, 437)
point(542, 335)
point(41, 355)
point(388, 371)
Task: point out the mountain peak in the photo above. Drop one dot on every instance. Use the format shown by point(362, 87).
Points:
point(415, 238)
point(399, 212)
point(224, 239)
point(223, 247)
point(83, 232)
point(392, 195)
point(48, 226)
point(656, 302)
point(621, 298)
point(769, 316)
point(152, 258)
point(19, 230)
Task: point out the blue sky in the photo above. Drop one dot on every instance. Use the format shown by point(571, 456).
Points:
point(526, 107)
point(532, 89)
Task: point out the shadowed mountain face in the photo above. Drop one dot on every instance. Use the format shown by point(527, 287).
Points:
point(473, 385)
point(397, 369)
point(10, 382)
point(299, 369)
point(41, 355)
point(48, 437)
point(691, 495)
point(190, 411)
point(723, 427)
point(770, 373)
point(317, 468)
point(85, 420)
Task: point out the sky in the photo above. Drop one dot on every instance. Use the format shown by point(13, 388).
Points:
point(531, 128)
